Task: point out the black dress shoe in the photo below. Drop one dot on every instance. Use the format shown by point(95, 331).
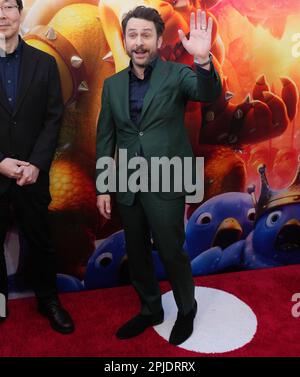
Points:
point(2, 319)
point(59, 318)
point(183, 327)
point(138, 325)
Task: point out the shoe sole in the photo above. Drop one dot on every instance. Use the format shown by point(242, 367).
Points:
point(156, 323)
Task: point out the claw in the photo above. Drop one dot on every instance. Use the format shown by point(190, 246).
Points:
point(228, 95)
point(247, 98)
point(280, 118)
point(290, 96)
point(260, 86)
point(108, 57)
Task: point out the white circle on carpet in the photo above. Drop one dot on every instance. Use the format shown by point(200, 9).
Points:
point(223, 322)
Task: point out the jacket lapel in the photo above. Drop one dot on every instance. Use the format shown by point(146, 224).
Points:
point(124, 92)
point(155, 83)
point(27, 69)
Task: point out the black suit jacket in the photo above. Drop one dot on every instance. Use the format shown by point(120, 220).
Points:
point(29, 132)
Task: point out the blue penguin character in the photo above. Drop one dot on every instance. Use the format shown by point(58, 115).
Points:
point(219, 222)
point(68, 283)
point(107, 267)
point(275, 239)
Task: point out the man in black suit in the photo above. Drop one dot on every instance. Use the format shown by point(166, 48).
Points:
point(31, 109)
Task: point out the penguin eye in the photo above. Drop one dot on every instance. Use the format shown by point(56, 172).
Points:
point(204, 218)
point(273, 218)
point(251, 214)
point(104, 260)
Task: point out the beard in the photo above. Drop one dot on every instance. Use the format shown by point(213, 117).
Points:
point(142, 57)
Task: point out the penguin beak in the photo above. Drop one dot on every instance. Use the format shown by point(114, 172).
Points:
point(228, 232)
point(288, 238)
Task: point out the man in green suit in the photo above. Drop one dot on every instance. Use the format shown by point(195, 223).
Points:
point(143, 113)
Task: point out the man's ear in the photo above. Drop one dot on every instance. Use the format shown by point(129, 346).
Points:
point(159, 42)
point(22, 14)
point(124, 43)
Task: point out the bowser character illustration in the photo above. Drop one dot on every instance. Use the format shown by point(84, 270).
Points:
point(86, 40)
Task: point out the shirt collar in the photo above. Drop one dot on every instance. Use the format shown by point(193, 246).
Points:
point(17, 51)
point(148, 69)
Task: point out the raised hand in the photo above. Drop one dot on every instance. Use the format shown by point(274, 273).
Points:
point(199, 42)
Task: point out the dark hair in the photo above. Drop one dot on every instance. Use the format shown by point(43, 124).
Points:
point(145, 13)
point(20, 4)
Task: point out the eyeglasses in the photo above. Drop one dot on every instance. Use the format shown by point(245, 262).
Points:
point(9, 8)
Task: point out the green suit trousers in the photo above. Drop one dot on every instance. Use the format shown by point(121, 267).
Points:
point(150, 216)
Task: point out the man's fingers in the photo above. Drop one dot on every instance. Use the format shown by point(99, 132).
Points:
point(21, 181)
point(22, 163)
point(192, 21)
point(101, 207)
point(182, 36)
point(107, 208)
point(17, 173)
point(103, 203)
point(201, 18)
point(24, 178)
point(210, 25)
point(19, 170)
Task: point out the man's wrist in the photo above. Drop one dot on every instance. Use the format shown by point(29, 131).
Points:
point(34, 166)
point(203, 61)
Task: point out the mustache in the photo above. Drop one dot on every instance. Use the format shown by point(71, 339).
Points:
point(137, 50)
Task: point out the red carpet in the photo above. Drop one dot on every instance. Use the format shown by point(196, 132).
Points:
point(98, 314)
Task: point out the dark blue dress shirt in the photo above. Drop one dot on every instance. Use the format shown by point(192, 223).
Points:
point(9, 76)
point(137, 91)
point(9, 73)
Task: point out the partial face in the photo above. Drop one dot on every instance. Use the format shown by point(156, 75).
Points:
point(10, 19)
point(141, 41)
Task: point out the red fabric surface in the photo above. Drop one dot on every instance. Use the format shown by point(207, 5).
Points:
point(97, 315)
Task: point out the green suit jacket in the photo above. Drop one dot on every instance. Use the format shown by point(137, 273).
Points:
point(161, 131)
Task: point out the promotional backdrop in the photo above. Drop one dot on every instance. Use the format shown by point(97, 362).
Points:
point(250, 215)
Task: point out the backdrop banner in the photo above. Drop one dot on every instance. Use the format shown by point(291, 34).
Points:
point(249, 138)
